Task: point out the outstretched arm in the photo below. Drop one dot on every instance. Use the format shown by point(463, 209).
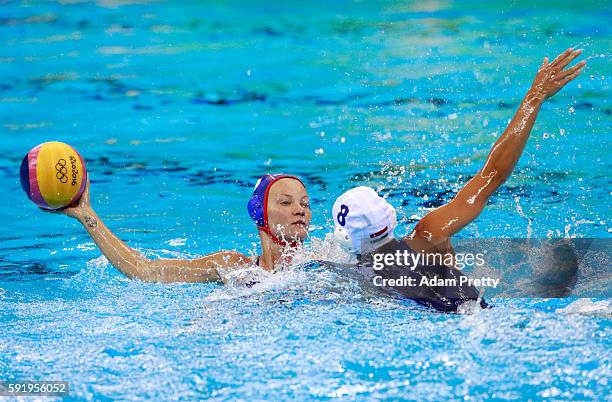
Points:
point(135, 265)
point(440, 224)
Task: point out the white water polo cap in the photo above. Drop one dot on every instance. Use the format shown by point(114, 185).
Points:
point(363, 220)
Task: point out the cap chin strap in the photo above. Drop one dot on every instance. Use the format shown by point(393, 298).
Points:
point(292, 243)
point(266, 227)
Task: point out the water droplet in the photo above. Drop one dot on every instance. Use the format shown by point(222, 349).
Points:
point(319, 151)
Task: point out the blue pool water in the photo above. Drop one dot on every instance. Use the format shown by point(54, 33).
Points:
point(177, 108)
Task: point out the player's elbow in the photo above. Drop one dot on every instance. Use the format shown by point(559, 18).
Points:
point(226, 259)
point(429, 230)
point(142, 270)
point(493, 176)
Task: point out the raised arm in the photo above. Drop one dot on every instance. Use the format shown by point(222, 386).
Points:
point(440, 224)
point(135, 265)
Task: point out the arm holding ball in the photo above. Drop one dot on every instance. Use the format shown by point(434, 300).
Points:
point(135, 265)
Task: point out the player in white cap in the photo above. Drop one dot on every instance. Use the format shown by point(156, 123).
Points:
point(365, 213)
point(364, 226)
point(364, 222)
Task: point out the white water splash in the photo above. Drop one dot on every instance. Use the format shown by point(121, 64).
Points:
point(250, 280)
point(575, 225)
point(86, 246)
point(519, 210)
point(180, 241)
point(588, 307)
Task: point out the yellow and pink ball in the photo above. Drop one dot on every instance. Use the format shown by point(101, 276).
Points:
point(53, 175)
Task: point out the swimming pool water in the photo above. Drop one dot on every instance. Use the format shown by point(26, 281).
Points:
point(178, 107)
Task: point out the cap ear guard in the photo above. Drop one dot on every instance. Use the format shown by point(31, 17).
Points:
point(343, 238)
point(255, 208)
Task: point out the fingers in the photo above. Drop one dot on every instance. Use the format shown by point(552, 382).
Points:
point(84, 199)
point(569, 71)
point(60, 211)
point(569, 59)
point(570, 77)
point(562, 56)
point(51, 211)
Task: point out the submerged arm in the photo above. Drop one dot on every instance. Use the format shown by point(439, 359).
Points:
point(469, 202)
point(136, 266)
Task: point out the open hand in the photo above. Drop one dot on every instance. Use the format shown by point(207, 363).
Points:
point(552, 77)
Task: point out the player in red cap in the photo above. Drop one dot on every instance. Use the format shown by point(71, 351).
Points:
point(279, 206)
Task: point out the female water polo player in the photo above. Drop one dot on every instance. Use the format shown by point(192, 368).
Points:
point(365, 222)
point(279, 207)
